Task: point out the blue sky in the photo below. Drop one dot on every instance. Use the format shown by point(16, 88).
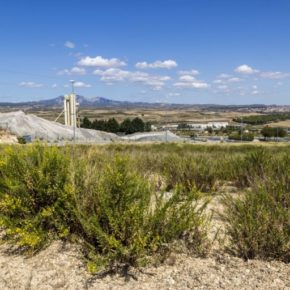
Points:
point(180, 51)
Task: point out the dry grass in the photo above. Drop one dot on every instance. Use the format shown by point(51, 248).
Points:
point(154, 115)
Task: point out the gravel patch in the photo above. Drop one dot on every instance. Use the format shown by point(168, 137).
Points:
point(61, 267)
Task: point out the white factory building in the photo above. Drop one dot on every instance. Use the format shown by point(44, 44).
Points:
point(203, 126)
point(198, 126)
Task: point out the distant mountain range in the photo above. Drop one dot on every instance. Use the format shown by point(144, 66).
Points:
point(104, 102)
point(83, 101)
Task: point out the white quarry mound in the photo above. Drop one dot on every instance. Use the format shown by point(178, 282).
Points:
point(20, 124)
point(163, 136)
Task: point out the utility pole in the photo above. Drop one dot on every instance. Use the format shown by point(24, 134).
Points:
point(241, 128)
point(74, 110)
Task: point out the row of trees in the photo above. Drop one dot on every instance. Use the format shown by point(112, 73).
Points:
point(269, 132)
point(128, 126)
point(263, 119)
point(242, 136)
point(266, 132)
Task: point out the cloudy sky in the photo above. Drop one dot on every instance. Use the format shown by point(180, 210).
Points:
point(177, 51)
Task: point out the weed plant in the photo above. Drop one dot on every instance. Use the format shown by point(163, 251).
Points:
point(125, 222)
point(35, 195)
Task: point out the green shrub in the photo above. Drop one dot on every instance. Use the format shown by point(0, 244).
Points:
point(190, 171)
point(246, 169)
point(242, 137)
point(124, 222)
point(21, 140)
point(258, 224)
point(35, 195)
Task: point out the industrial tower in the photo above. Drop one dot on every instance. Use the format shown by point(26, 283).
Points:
point(70, 110)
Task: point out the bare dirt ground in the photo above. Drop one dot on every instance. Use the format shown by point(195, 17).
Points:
point(7, 138)
point(155, 115)
point(61, 266)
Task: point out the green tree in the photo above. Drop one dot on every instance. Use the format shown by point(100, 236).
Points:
point(99, 125)
point(86, 123)
point(209, 130)
point(126, 126)
point(267, 132)
point(281, 132)
point(243, 137)
point(113, 125)
point(138, 125)
point(147, 127)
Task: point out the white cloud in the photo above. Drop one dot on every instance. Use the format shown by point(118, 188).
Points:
point(173, 94)
point(245, 69)
point(69, 44)
point(73, 71)
point(224, 79)
point(192, 72)
point(168, 64)
point(112, 75)
point(255, 92)
point(189, 81)
point(192, 85)
point(54, 86)
point(81, 85)
point(224, 76)
point(222, 87)
point(234, 80)
point(186, 78)
point(30, 85)
point(218, 81)
point(274, 75)
point(99, 61)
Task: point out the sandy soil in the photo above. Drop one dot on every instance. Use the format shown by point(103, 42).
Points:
point(61, 267)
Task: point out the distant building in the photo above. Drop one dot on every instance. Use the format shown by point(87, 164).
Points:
point(218, 125)
point(197, 126)
point(204, 126)
point(169, 127)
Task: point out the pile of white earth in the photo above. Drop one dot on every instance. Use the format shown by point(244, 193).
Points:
point(20, 124)
point(164, 136)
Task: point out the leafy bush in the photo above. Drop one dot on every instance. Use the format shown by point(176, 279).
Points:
point(124, 222)
point(35, 195)
point(257, 166)
point(242, 137)
point(269, 132)
point(21, 140)
point(258, 224)
point(198, 172)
